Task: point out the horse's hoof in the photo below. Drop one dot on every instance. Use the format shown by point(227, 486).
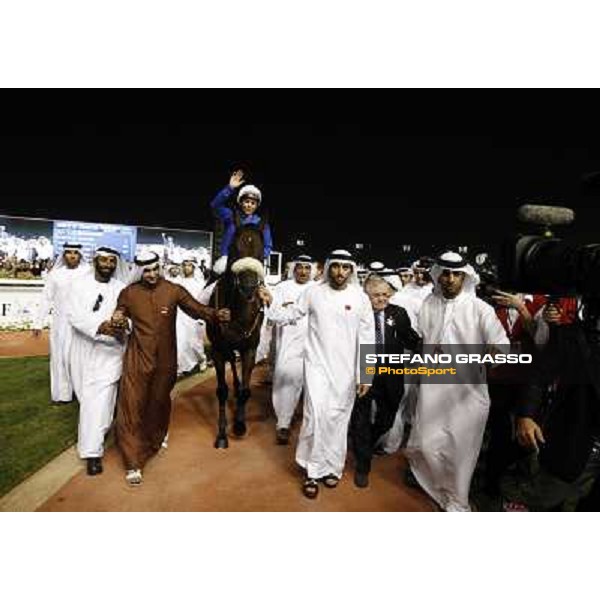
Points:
point(222, 444)
point(240, 429)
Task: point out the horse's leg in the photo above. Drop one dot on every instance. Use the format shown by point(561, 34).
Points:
point(234, 372)
point(248, 363)
point(222, 442)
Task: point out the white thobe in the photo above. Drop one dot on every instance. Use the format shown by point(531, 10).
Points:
point(190, 333)
point(265, 350)
point(96, 361)
point(450, 418)
point(288, 379)
point(338, 322)
point(55, 297)
point(410, 298)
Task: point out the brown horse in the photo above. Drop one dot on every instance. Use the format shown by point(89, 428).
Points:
point(237, 290)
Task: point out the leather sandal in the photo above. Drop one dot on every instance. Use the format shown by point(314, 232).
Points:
point(311, 489)
point(331, 481)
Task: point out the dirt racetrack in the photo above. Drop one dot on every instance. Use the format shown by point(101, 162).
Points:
point(253, 475)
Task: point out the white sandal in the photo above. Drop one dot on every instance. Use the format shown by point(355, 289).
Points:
point(134, 477)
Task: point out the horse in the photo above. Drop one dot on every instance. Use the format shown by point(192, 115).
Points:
point(237, 290)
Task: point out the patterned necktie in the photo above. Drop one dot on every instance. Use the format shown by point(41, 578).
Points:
point(378, 332)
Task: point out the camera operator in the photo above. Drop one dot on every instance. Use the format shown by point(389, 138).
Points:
point(516, 312)
point(565, 436)
point(557, 311)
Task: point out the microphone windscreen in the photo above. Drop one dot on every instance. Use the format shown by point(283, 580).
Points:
point(546, 215)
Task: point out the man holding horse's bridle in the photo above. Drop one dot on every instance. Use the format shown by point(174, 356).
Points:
point(149, 308)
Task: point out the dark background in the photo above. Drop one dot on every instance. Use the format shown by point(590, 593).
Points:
point(332, 184)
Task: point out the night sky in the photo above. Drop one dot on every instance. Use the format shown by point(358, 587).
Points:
point(336, 184)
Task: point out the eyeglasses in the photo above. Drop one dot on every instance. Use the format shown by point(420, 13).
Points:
point(98, 304)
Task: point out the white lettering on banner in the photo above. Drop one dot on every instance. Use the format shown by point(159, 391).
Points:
point(446, 359)
point(19, 303)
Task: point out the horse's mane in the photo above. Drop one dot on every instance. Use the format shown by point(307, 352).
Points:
point(252, 247)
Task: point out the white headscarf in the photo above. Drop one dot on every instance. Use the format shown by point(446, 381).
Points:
point(452, 261)
point(60, 261)
point(392, 278)
point(122, 270)
point(423, 264)
point(375, 268)
point(176, 257)
point(145, 260)
point(378, 270)
point(342, 257)
point(302, 259)
point(198, 275)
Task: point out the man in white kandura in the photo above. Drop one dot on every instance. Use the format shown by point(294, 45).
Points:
point(412, 295)
point(55, 297)
point(288, 380)
point(96, 354)
point(340, 319)
point(451, 417)
point(190, 333)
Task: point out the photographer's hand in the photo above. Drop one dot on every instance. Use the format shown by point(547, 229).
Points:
point(509, 300)
point(518, 303)
point(529, 433)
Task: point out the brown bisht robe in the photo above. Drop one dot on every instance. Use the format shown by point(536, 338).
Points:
point(150, 368)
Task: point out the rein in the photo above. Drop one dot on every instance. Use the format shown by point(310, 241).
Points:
point(245, 334)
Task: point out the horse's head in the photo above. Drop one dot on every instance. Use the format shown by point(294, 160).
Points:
point(248, 274)
point(248, 243)
point(247, 283)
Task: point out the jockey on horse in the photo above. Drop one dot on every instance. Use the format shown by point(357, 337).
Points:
point(249, 201)
point(247, 243)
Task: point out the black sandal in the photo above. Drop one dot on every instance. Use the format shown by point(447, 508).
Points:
point(311, 489)
point(331, 481)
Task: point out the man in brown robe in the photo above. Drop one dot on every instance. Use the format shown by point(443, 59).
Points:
point(150, 367)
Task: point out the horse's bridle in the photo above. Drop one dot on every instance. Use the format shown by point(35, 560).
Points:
point(236, 284)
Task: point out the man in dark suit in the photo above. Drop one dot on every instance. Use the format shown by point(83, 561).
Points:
point(393, 333)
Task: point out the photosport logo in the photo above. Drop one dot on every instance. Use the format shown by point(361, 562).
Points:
point(448, 364)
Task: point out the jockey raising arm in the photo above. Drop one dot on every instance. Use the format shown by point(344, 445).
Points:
point(249, 200)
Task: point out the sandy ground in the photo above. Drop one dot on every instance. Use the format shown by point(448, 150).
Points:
point(23, 343)
point(253, 475)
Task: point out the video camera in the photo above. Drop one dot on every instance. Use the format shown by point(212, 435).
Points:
point(544, 264)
